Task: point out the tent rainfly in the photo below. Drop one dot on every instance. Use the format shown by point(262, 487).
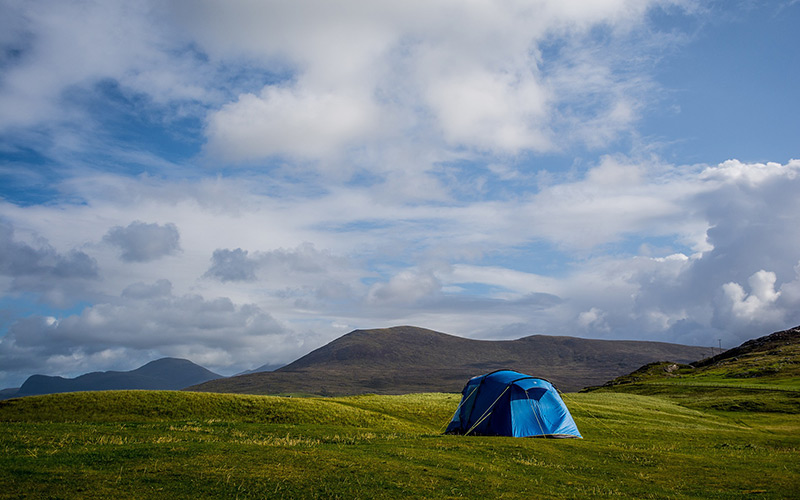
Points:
point(508, 403)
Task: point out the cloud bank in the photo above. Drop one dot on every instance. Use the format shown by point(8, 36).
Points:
point(710, 259)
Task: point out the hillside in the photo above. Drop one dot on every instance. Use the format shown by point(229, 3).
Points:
point(762, 374)
point(773, 356)
point(165, 374)
point(771, 360)
point(409, 359)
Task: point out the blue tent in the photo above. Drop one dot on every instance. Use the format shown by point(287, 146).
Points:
point(508, 403)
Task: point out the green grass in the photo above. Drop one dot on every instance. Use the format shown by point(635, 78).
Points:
point(140, 444)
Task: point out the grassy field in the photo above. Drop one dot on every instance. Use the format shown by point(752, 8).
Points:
point(140, 444)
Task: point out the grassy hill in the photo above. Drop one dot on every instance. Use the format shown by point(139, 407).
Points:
point(762, 374)
point(143, 444)
point(408, 359)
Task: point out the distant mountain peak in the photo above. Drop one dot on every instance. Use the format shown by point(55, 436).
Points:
point(160, 374)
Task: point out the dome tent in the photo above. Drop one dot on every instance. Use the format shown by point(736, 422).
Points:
point(508, 403)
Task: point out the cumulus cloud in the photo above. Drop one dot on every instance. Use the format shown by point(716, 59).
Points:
point(746, 210)
point(241, 265)
point(232, 265)
point(727, 225)
point(757, 305)
point(60, 278)
point(18, 259)
point(594, 318)
point(142, 242)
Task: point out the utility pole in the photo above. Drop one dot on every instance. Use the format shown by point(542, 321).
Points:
point(720, 346)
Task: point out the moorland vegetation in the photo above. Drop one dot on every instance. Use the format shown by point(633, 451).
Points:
point(670, 431)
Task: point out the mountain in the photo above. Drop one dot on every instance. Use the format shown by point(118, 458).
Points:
point(408, 359)
point(162, 374)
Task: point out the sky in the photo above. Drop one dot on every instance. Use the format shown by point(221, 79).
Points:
point(238, 183)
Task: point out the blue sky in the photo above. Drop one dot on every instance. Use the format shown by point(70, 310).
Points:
point(239, 183)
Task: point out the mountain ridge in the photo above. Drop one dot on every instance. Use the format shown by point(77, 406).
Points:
point(160, 374)
point(406, 359)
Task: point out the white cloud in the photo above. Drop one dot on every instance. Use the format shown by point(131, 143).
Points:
point(471, 75)
point(334, 83)
point(758, 304)
point(292, 121)
point(518, 282)
point(491, 110)
point(617, 197)
point(64, 46)
point(751, 174)
point(594, 318)
point(407, 286)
